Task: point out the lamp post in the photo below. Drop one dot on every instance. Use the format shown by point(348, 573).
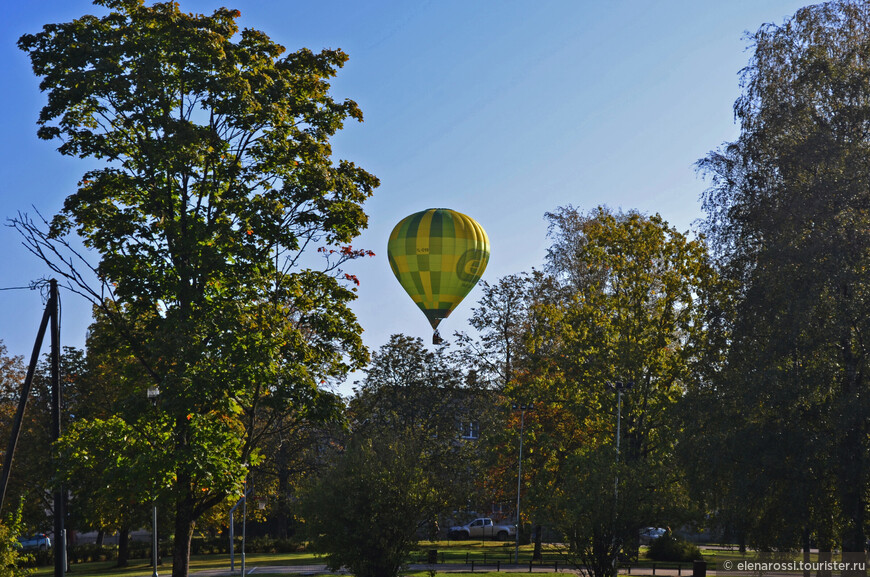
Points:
point(153, 393)
point(522, 409)
point(244, 522)
point(619, 387)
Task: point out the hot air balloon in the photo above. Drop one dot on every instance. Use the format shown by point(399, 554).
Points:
point(438, 255)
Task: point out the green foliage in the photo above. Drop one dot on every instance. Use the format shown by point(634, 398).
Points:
point(29, 481)
point(33, 475)
point(787, 211)
point(120, 467)
point(13, 561)
point(363, 513)
point(88, 552)
point(501, 318)
point(216, 176)
point(423, 399)
point(626, 303)
point(669, 547)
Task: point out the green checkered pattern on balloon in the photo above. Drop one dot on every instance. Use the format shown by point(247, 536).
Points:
point(438, 255)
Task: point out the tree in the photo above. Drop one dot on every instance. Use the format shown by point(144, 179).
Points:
point(632, 310)
point(362, 513)
point(217, 178)
point(787, 211)
point(303, 446)
point(11, 375)
point(29, 475)
point(33, 470)
point(404, 461)
point(13, 562)
point(109, 455)
point(499, 319)
point(117, 470)
point(507, 322)
point(428, 402)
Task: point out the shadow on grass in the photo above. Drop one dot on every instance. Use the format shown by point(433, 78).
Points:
point(141, 567)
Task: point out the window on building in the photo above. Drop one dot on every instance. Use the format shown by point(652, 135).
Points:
point(470, 430)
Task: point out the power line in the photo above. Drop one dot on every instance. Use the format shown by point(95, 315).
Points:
point(17, 288)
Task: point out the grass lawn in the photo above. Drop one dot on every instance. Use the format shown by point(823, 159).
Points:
point(488, 551)
point(453, 552)
point(140, 567)
point(450, 551)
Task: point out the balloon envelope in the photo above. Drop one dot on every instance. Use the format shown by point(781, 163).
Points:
point(438, 255)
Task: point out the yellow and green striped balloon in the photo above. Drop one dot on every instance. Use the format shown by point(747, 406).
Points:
point(438, 255)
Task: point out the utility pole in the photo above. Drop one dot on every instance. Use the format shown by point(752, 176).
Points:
point(50, 321)
point(56, 397)
point(522, 409)
point(619, 387)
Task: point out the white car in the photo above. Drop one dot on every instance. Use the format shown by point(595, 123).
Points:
point(650, 534)
point(482, 527)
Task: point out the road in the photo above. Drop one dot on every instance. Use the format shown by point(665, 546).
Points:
point(440, 567)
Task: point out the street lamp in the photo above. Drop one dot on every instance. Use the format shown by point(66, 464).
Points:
point(619, 387)
point(244, 522)
point(232, 531)
point(522, 409)
point(153, 393)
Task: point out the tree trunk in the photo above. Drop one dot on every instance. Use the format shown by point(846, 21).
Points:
point(852, 465)
point(853, 503)
point(101, 536)
point(536, 555)
point(281, 519)
point(123, 546)
point(805, 538)
point(826, 544)
point(184, 524)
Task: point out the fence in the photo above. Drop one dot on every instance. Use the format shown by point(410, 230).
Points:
point(487, 561)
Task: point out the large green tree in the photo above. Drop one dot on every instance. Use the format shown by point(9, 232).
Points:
point(33, 470)
point(217, 176)
point(404, 461)
point(500, 320)
point(363, 512)
point(507, 320)
point(789, 213)
point(429, 401)
point(630, 310)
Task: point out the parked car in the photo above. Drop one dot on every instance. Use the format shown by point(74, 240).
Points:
point(650, 534)
point(39, 541)
point(482, 527)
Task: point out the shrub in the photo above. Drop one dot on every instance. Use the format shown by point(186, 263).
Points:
point(362, 512)
point(13, 561)
point(86, 552)
point(671, 548)
point(221, 545)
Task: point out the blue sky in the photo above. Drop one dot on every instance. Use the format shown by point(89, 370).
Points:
point(501, 110)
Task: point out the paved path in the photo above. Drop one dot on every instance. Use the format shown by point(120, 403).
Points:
point(315, 569)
